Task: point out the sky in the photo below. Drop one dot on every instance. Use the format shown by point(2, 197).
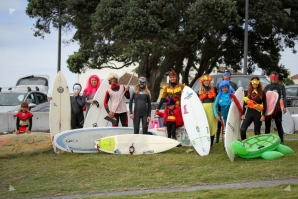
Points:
point(23, 54)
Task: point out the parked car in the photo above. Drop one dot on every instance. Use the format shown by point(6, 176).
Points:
point(32, 89)
point(292, 95)
point(240, 80)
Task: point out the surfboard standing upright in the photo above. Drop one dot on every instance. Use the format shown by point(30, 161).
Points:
point(195, 121)
point(60, 112)
point(233, 124)
point(95, 116)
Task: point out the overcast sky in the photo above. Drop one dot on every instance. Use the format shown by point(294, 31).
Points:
point(23, 54)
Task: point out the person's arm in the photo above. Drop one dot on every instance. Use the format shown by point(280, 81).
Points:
point(130, 103)
point(149, 105)
point(106, 101)
point(18, 123)
point(127, 93)
point(264, 100)
point(284, 95)
point(80, 100)
point(162, 100)
point(30, 124)
point(215, 105)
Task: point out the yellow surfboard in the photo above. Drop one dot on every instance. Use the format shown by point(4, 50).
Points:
point(24, 144)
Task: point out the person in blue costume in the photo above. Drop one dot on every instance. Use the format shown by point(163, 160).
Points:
point(226, 75)
point(224, 99)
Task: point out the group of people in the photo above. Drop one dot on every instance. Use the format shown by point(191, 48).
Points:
point(216, 102)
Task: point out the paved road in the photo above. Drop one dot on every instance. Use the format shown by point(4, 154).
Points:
point(193, 188)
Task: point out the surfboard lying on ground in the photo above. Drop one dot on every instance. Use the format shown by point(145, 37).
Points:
point(195, 121)
point(95, 116)
point(60, 110)
point(82, 140)
point(232, 127)
point(135, 144)
point(12, 145)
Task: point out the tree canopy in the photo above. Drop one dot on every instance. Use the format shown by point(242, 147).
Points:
point(158, 35)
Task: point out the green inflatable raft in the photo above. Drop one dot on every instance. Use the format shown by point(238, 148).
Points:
point(267, 146)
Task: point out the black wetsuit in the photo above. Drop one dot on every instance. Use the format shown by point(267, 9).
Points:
point(235, 87)
point(77, 115)
point(142, 110)
point(252, 115)
point(277, 114)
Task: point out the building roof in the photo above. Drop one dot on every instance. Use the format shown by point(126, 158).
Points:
point(294, 77)
point(126, 77)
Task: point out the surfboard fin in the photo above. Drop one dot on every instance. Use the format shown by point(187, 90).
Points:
point(113, 120)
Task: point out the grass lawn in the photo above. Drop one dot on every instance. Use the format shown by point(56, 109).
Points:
point(49, 174)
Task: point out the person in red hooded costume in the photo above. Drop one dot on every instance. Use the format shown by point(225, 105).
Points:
point(24, 119)
point(172, 117)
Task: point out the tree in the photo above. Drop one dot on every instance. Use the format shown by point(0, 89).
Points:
point(164, 34)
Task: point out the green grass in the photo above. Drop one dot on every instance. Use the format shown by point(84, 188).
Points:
point(49, 174)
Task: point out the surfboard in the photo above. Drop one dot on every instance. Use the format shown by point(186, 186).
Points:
point(195, 121)
point(12, 145)
point(82, 140)
point(60, 110)
point(295, 119)
point(95, 116)
point(288, 123)
point(271, 99)
point(135, 144)
point(182, 136)
point(232, 128)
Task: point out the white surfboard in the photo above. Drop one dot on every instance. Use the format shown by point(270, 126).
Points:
point(295, 119)
point(135, 144)
point(82, 140)
point(288, 123)
point(95, 116)
point(60, 110)
point(195, 121)
point(232, 128)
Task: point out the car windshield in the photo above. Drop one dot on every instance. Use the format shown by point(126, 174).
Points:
point(292, 91)
point(244, 82)
point(11, 99)
point(241, 81)
point(33, 81)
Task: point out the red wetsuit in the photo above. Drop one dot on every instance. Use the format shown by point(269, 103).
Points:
point(24, 121)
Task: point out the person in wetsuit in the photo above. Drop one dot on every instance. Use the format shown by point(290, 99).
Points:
point(280, 105)
point(118, 109)
point(24, 119)
point(77, 103)
point(233, 86)
point(255, 107)
point(207, 95)
point(142, 106)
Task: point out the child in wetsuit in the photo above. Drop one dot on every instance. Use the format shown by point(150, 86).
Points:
point(24, 119)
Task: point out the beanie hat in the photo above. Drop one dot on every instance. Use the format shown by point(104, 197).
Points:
point(170, 101)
